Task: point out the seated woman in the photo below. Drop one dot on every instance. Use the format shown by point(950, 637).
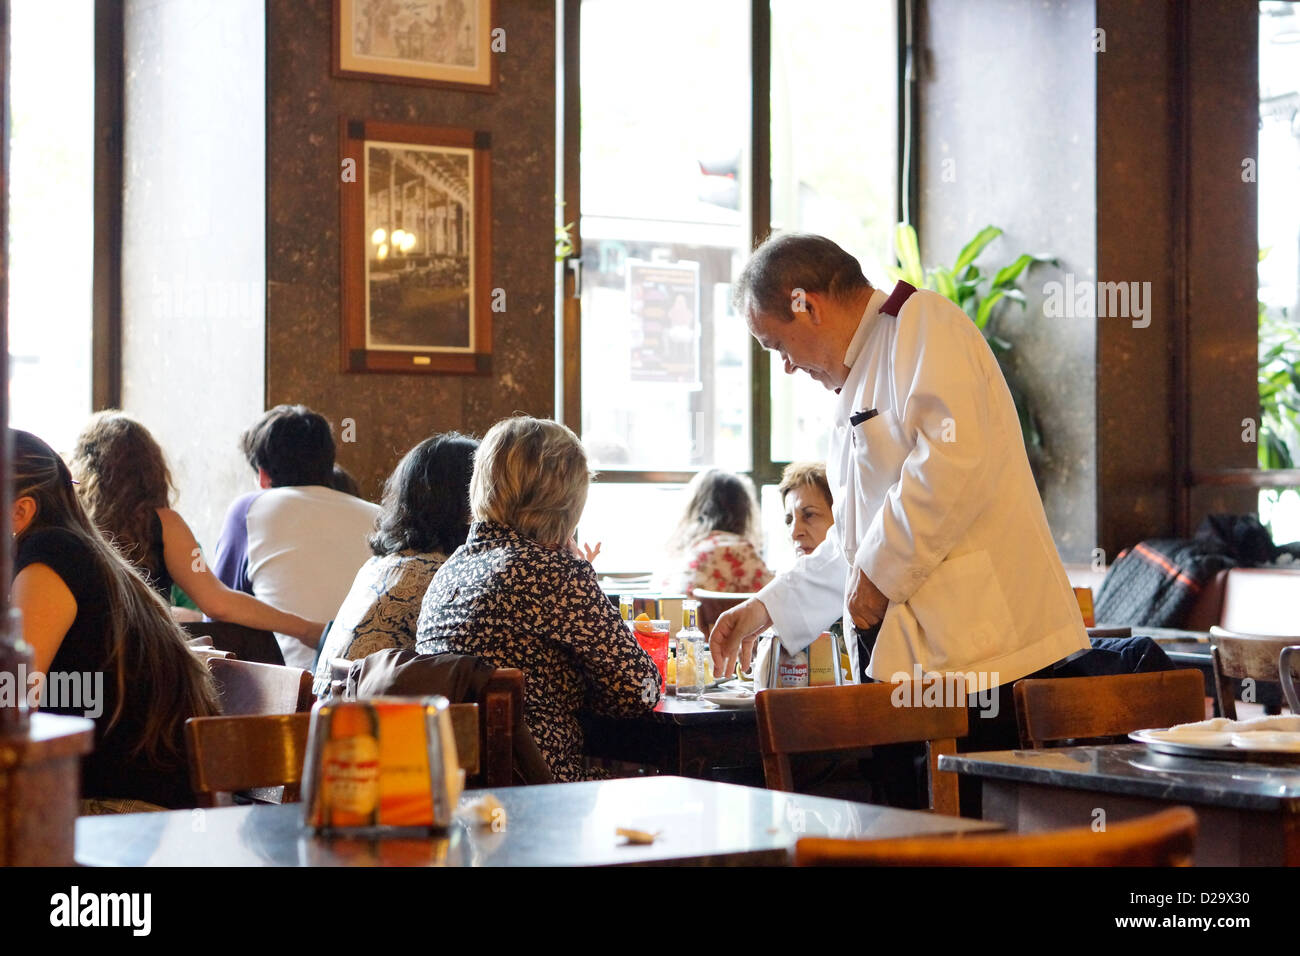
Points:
point(89, 614)
point(425, 518)
point(125, 487)
point(715, 546)
point(517, 593)
point(806, 498)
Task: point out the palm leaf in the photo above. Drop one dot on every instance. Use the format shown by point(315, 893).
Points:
point(975, 247)
point(944, 285)
point(909, 254)
point(986, 308)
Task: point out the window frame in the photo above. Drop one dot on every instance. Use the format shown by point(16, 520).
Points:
point(764, 470)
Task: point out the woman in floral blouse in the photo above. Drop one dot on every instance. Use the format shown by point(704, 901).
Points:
point(715, 546)
point(425, 517)
point(517, 594)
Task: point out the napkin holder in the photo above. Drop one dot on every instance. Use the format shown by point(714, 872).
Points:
point(817, 665)
point(383, 765)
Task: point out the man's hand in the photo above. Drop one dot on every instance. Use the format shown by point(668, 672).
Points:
point(867, 605)
point(734, 633)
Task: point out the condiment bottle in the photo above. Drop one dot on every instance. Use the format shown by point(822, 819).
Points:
point(692, 672)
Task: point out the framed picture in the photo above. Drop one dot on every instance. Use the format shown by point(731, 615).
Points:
point(431, 42)
point(416, 249)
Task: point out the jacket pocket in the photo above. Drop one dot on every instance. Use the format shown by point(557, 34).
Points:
point(879, 449)
point(963, 615)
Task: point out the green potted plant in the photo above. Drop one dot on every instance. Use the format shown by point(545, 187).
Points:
point(1279, 388)
point(980, 294)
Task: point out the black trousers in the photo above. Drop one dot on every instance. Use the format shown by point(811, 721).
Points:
point(899, 774)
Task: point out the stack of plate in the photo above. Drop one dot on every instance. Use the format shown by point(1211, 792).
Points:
point(1273, 738)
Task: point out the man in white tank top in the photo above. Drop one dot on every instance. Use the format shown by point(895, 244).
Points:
point(297, 543)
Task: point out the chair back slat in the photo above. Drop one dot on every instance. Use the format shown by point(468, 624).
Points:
point(228, 754)
point(806, 720)
point(465, 728)
point(246, 688)
point(246, 643)
point(1080, 708)
point(1237, 656)
point(1167, 838)
point(232, 754)
point(502, 705)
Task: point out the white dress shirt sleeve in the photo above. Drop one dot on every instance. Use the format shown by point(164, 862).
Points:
point(809, 597)
point(942, 392)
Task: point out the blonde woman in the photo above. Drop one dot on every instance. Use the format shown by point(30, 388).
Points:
point(517, 593)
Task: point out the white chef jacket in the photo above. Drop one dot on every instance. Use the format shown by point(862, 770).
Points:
point(934, 499)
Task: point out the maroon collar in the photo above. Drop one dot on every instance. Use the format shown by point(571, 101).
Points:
point(902, 292)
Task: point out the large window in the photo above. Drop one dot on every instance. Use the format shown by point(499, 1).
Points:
point(51, 228)
point(1279, 267)
point(670, 378)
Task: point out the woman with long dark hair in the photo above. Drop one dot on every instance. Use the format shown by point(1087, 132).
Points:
point(716, 543)
point(95, 625)
point(424, 518)
point(126, 489)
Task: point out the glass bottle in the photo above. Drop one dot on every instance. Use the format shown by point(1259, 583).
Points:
point(692, 670)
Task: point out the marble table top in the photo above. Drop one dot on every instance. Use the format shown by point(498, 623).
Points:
point(1139, 771)
point(567, 824)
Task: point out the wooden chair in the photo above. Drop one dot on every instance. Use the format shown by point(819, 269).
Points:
point(232, 754)
point(805, 720)
point(510, 755)
point(246, 688)
point(1085, 708)
point(1167, 838)
point(1239, 656)
point(1288, 665)
point(500, 707)
point(246, 643)
point(229, 754)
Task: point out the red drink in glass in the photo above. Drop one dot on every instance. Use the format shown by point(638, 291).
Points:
point(653, 637)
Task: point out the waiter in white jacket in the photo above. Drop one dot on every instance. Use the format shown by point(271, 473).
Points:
point(940, 553)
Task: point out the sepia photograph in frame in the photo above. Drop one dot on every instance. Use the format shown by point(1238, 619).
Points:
point(429, 42)
point(415, 249)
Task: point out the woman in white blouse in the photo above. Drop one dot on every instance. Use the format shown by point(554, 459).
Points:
point(425, 518)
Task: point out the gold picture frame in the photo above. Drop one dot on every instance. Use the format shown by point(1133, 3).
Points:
point(445, 43)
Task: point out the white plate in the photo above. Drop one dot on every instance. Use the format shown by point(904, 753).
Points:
point(1272, 741)
point(735, 700)
point(1180, 745)
point(1191, 738)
